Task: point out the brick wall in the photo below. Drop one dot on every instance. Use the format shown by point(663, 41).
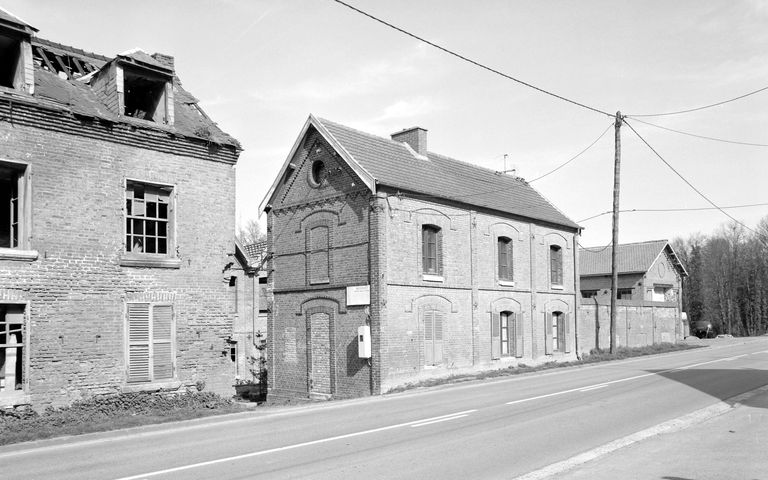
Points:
point(76, 289)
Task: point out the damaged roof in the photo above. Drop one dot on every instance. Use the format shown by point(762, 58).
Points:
point(631, 258)
point(75, 94)
point(390, 163)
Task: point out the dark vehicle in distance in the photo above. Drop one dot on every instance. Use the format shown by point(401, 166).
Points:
point(702, 329)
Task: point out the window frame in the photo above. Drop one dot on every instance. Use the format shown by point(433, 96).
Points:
point(150, 342)
point(14, 397)
point(556, 266)
point(21, 249)
point(505, 244)
point(434, 317)
point(431, 235)
point(132, 258)
point(312, 253)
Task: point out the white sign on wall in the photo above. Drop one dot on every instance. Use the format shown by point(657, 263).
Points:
point(359, 295)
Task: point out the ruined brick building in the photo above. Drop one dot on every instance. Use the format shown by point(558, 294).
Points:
point(452, 267)
point(117, 213)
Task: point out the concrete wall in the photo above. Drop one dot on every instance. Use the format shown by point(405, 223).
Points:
point(636, 325)
point(75, 291)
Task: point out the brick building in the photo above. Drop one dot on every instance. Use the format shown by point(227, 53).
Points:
point(117, 215)
point(452, 267)
point(648, 301)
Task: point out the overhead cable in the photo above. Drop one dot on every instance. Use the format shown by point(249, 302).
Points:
point(702, 107)
point(690, 184)
point(469, 60)
point(646, 210)
point(702, 136)
point(574, 157)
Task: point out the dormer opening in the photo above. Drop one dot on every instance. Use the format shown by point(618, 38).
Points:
point(145, 96)
point(11, 62)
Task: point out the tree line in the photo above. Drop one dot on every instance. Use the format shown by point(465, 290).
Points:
point(727, 283)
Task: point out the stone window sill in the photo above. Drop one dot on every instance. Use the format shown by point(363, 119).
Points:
point(557, 287)
point(150, 261)
point(11, 399)
point(432, 278)
point(151, 386)
point(506, 283)
point(16, 254)
point(324, 281)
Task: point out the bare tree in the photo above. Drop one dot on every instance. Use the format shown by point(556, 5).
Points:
point(250, 233)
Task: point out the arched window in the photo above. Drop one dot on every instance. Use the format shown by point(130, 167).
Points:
point(431, 250)
point(555, 265)
point(504, 250)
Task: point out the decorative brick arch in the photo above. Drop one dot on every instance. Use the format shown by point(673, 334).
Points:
point(422, 300)
point(431, 211)
point(505, 304)
point(562, 242)
point(497, 229)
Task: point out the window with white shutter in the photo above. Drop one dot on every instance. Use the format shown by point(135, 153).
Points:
point(151, 338)
point(433, 336)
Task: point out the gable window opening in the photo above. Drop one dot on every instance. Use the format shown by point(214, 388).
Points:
point(318, 173)
point(319, 255)
point(624, 294)
point(12, 357)
point(505, 264)
point(556, 265)
point(147, 224)
point(12, 187)
point(431, 250)
point(151, 342)
point(144, 96)
point(11, 65)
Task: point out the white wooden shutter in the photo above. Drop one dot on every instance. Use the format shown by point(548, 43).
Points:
point(439, 320)
point(547, 333)
point(567, 329)
point(495, 336)
point(439, 253)
point(518, 335)
point(429, 337)
point(138, 342)
point(162, 342)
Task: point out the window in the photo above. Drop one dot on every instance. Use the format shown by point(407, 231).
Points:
point(13, 205)
point(556, 330)
point(12, 353)
point(151, 342)
point(433, 336)
point(589, 294)
point(319, 173)
point(318, 261)
point(506, 335)
point(624, 293)
point(663, 293)
point(431, 250)
point(555, 265)
point(145, 96)
point(504, 250)
point(11, 62)
point(148, 223)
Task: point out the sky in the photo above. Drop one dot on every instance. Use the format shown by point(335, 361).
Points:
point(261, 67)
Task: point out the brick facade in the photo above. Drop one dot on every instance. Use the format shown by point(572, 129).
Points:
point(422, 325)
point(73, 278)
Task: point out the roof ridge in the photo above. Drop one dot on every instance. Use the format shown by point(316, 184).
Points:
point(630, 243)
point(75, 50)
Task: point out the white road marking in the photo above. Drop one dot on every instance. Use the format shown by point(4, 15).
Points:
point(670, 426)
point(605, 384)
point(453, 417)
point(290, 447)
point(594, 387)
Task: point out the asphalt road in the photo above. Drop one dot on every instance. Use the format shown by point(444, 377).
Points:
point(495, 429)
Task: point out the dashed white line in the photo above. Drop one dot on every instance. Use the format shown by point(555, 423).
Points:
point(594, 387)
point(454, 417)
point(294, 446)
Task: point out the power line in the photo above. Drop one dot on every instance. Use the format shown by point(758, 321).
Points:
point(574, 157)
point(473, 62)
point(645, 210)
point(702, 107)
point(598, 250)
point(690, 184)
point(702, 136)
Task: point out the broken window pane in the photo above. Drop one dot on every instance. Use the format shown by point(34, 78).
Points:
point(11, 348)
point(10, 213)
point(147, 227)
point(144, 96)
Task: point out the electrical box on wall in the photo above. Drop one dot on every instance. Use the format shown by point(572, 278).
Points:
point(364, 341)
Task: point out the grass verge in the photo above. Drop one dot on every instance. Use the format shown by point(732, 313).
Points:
point(594, 356)
point(110, 412)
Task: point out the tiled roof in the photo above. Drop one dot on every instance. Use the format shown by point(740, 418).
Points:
point(632, 257)
point(78, 97)
point(256, 251)
point(394, 165)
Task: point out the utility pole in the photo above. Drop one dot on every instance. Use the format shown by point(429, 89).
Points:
point(615, 240)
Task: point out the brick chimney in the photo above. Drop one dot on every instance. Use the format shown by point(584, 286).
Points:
point(166, 60)
point(416, 137)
